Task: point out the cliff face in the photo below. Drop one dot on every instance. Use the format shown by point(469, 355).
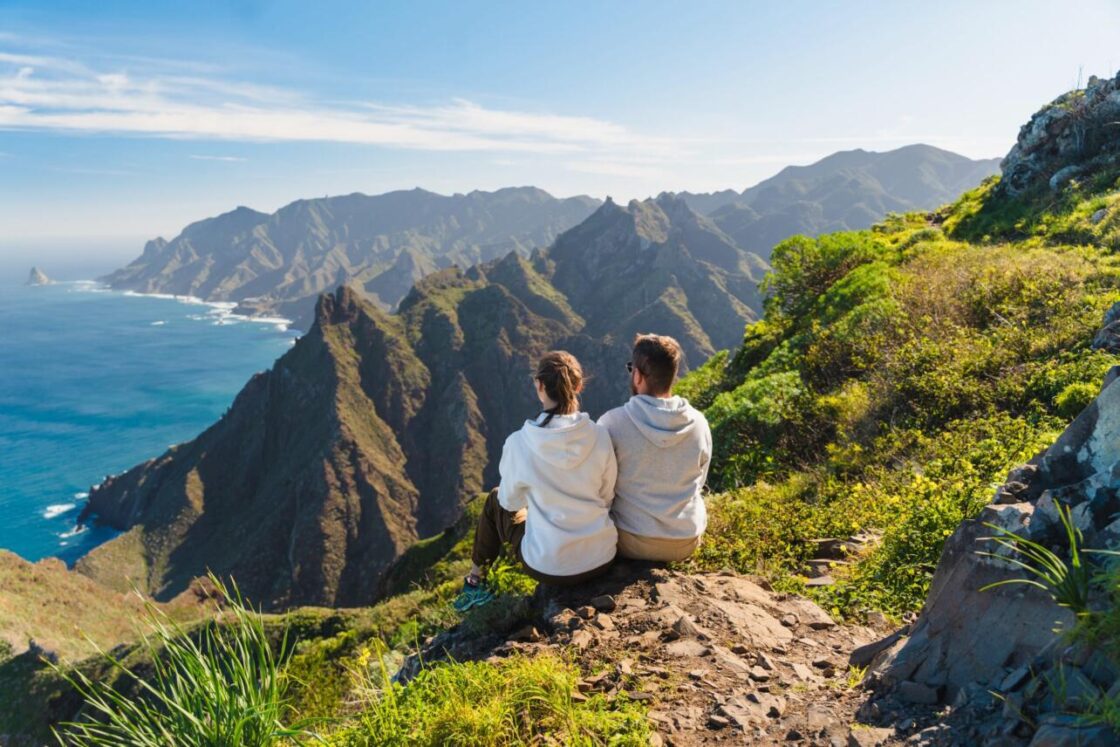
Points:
point(367, 433)
point(280, 263)
point(298, 491)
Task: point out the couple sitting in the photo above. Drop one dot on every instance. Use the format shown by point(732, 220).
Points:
point(574, 493)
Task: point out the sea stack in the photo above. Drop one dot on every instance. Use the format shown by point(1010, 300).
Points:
point(38, 277)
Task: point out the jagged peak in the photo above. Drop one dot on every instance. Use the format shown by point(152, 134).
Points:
point(344, 305)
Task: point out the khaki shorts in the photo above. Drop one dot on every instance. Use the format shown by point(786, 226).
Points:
point(665, 549)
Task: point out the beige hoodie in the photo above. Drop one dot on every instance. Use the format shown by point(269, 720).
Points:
point(564, 474)
point(663, 448)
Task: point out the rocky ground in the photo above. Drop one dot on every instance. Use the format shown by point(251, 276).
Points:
point(720, 659)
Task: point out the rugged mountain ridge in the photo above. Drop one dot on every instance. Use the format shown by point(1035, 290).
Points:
point(845, 191)
point(364, 436)
point(279, 263)
point(382, 244)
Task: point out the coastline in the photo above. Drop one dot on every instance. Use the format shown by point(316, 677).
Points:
point(223, 311)
point(59, 513)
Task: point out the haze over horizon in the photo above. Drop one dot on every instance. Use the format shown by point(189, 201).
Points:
point(126, 121)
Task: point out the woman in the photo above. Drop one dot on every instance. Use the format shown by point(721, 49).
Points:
point(557, 483)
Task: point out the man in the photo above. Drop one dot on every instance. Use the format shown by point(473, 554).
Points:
point(663, 446)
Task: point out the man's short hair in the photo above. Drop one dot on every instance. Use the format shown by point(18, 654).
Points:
point(658, 357)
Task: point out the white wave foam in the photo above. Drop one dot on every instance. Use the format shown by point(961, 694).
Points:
point(80, 496)
point(280, 323)
point(85, 286)
point(160, 323)
point(80, 529)
point(58, 509)
point(222, 310)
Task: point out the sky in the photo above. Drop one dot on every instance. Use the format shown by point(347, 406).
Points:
point(120, 121)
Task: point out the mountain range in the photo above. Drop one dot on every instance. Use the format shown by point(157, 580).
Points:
point(848, 190)
point(366, 435)
point(381, 245)
point(280, 263)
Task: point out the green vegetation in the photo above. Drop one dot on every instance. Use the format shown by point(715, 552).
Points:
point(1099, 630)
point(895, 377)
point(221, 684)
point(516, 701)
point(237, 680)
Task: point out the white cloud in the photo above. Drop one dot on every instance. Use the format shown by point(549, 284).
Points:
point(230, 159)
point(50, 93)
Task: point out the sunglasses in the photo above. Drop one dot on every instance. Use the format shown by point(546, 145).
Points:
point(630, 367)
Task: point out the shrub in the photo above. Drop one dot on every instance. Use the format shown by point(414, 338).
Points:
point(701, 385)
point(1075, 398)
point(804, 268)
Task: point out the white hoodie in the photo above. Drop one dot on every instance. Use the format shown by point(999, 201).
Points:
point(564, 473)
point(664, 447)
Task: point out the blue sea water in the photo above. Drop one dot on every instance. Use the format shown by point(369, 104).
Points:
point(94, 381)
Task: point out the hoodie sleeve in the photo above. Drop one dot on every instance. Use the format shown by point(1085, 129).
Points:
point(610, 473)
point(511, 490)
point(706, 453)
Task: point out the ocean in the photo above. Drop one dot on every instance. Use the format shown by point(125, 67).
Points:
point(93, 381)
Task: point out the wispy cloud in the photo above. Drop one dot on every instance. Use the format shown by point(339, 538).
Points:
point(51, 93)
point(229, 159)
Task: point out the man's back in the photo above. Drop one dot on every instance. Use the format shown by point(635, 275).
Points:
point(663, 447)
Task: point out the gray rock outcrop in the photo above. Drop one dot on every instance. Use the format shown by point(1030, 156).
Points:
point(1075, 134)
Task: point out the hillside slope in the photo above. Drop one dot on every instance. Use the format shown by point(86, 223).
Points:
point(898, 376)
point(365, 436)
point(382, 244)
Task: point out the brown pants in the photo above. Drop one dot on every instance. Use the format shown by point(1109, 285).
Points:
point(636, 547)
point(497, 527)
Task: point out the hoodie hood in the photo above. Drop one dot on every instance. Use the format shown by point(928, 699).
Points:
point(663, 422)
point(566, 442)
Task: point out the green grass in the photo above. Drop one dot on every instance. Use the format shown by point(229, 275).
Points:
point(422, 586)
point(512, 702)
point(218, 685)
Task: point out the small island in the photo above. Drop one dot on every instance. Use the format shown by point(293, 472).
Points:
point(38, 277)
